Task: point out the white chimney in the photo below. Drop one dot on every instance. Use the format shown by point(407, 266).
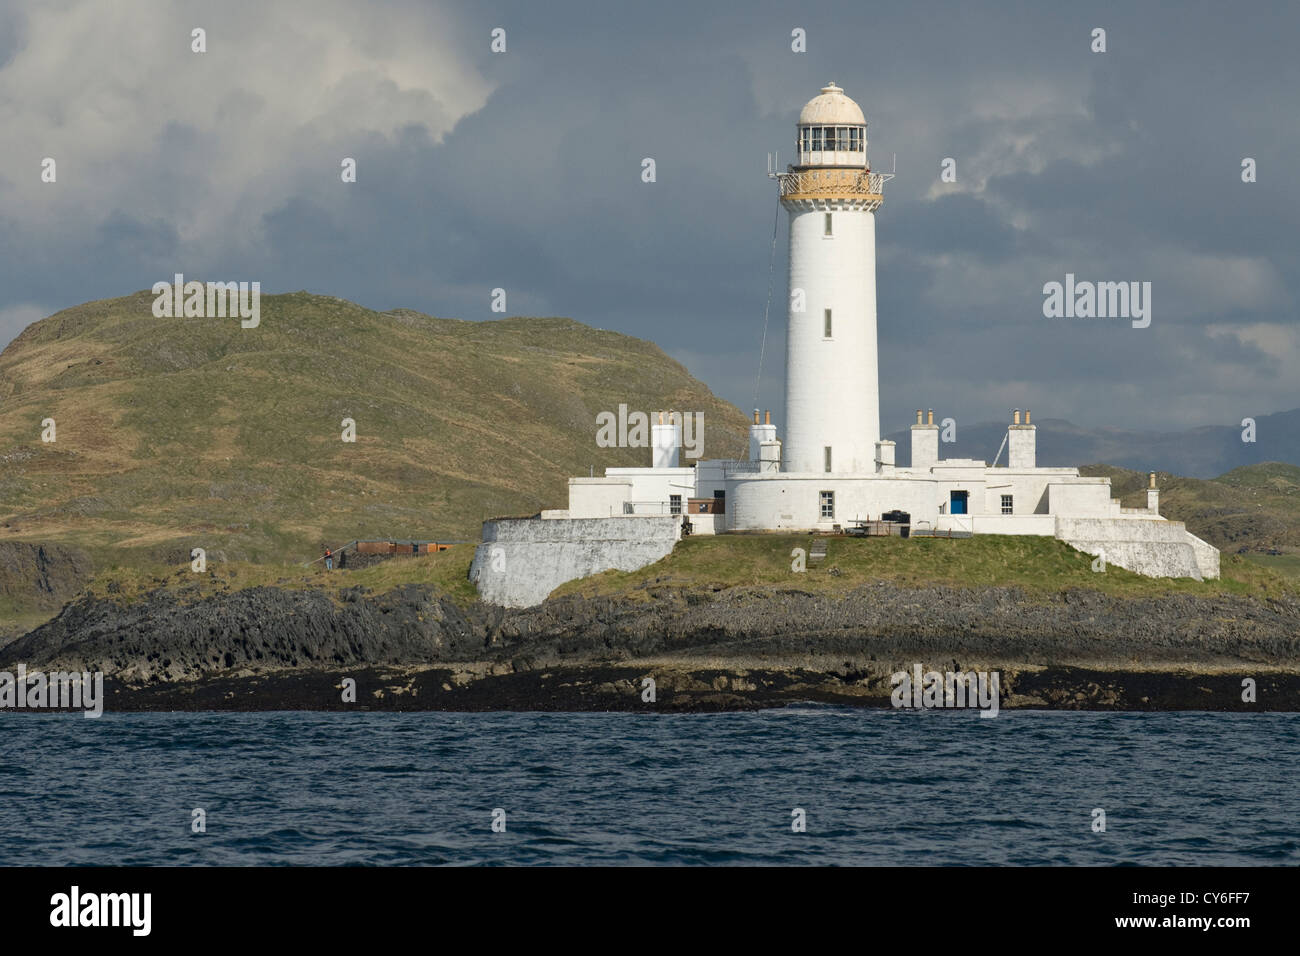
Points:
point(758, 434)
point(1022, 443)
point(665, 441)
point(925, 442)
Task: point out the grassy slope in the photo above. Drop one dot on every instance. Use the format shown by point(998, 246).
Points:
point(447, 570)
point(176, 433)
point(1036, 564)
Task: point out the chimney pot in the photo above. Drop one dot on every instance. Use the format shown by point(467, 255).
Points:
point(929, 416)
point(1152, 478)
point(767, 418)
point(1026, 416)
point(1015, 417)
point(756, 416)
point(919, 417)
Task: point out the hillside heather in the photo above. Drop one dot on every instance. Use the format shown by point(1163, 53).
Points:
point(182, 433)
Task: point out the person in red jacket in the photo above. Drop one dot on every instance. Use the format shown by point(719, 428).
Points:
point(329, 560)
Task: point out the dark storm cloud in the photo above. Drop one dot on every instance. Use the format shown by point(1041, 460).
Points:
point(1115, 166)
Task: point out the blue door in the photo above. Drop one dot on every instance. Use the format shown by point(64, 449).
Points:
point(957, 502)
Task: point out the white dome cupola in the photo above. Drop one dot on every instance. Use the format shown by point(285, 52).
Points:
point(832, 131)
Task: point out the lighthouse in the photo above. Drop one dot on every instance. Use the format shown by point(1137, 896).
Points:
point(833, 474)
point(832, 402)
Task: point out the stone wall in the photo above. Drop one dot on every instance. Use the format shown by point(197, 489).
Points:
point(1207, 555)
point(1153, 548)
point(522, 560)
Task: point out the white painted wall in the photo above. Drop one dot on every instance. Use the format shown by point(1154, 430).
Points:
point(1081, 498)
point(1207, 556)
point(792, 502)
point(708, 524)
point(1000, 524)
point(522, 560)
point(1152, 548)
point(652, 487)
point(598, 497)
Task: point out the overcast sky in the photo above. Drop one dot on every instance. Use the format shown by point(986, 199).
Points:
point(522, 170)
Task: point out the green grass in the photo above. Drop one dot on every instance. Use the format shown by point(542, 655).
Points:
point(1036, 564)
point(1286, 565)
point(447, 570)
point(1040, 566)
point(181, 433)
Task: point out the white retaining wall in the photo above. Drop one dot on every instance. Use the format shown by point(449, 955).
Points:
point(1207, 555)
point(1152, 548)
point(522, 560)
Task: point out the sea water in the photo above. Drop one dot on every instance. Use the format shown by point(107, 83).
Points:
point(801, 786)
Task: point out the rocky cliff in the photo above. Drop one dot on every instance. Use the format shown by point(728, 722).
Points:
point(808, 645)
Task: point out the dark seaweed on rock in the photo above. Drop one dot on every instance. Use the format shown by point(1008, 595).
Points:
point(163, 638)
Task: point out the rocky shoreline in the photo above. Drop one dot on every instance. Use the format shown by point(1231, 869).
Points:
point(412, 648)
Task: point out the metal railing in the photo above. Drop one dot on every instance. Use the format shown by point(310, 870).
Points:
point(815, 182)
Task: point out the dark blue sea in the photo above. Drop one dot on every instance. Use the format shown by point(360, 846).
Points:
point(876, 787)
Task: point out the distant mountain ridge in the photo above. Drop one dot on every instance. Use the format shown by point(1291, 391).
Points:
point(1204, 452)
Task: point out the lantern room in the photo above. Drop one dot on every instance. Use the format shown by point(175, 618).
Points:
point(832, 131)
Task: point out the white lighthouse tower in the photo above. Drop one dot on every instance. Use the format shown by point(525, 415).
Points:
point(832, 402)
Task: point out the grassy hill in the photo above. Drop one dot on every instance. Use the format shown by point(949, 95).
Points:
point(1255, 508)
point(181, 433)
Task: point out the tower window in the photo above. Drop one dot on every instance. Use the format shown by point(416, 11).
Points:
point(817, 139)
point(827, 453)
point(828, 232)
point(826, 332)
point(674, 504)
point(1006, 504)
point(827, 504)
